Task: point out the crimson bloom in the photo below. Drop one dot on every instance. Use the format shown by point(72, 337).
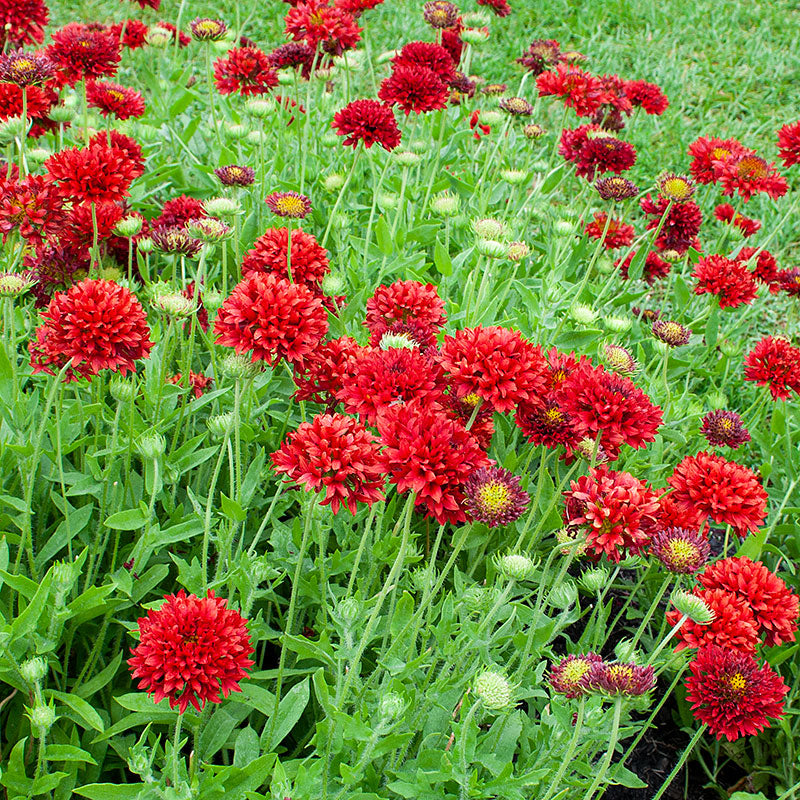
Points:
point(594, 152)
point(272, 318)
point(416, 89)
point(724, 429)
point(546, 423)
point(725, 212)
point(495, 497)
point(706, 151)
point(765, 268)
point(774, 606)
point(246, 70)
point(774, 362)
point(647, 96)
point(131, 149)
point(191, 649)
point(619, 678)
point(654, 267)
point(731, 694)
point(335, 454)
point(318, 376)
point(680, 550)
point(92, 174)
point(198, 382)
point(33, 206)
point(789, 143)
point(132, 32)
point(722, 490)
point(570, 676)
point(429, 55)
point(404, 301)
point(83, 52)
point(730, 281)
point(747, 174)
point(94, 325)
point(577, 88)
point(327, 28)
point(268, 255)
point(500, 7)
point(495, 363)
point(177, 211)
point(540, 55)
point(619, 233)
point(22, 22)
point(367, 121)
point(616, 511)
point(111, 98)
point(37, 104)
point(681, 224)
point(427, 452)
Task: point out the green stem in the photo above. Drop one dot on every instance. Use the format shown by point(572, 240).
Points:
point(209, 506)
point(612, 744)
point(175, 750)
point(339, 197)
point(681, 761)
point(566, 761)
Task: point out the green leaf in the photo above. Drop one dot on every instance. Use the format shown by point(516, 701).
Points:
point(247, 747)
point(67, 752)
point(130, 520)
point(384, 236)
point(712, 327)
point(101, 679)
point(85, 712)
point(139, 701)
point(66, 531)
point(289, 711)
point(637, 263)
point(442, 260)
point(752, 545)
point(110, 791)
point(231, 509)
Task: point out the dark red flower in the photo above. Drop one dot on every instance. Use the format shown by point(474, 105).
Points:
point(765, 268)
point(32, 206)
point(79, 228)
point(541, 54)
point(235, 175)
point(92, 174)
point(54, 268)
point(318, 376)
point(175, 213)
point(477, 127)
point(22, 22)
point(190, 650)
point(654, 267)
point(335, 454)
point(789, 281)
point(774, 362)
point(724, 212)
point(246, 70)
point(705, 151)
point(430, 454)
point(356, 7)
point(496, 363)
point(619, 233)
point(628, 680)
point(595, 152)
point(37, 103)
point(495, 497)
point(733, 626)
point(367, 121)
point(723, 490)
point(546, 423)
point(404, 301)
point(789, 143)
point(198, 382)
point(268, 255)
point(747, 174)
point(647, 96)
point(293, 54)
point(774, 606)
point(463, 410)
point(724, 429)
point(681, 226)
point(604, 403)
point(730, 281)
point(154, 4)
point(426, 54)
point(680, 550)
point(94, 325)
point(615, 511)
point(83, 52)
point(327, 28)
point(111, 98)
point(577, 88)
point(570, 676)
point(25, 68)
point(416, 89)
point(132, 32)
point(731, 694)
point(130, 147)
point(451, 42)
point(380, 378)
point(500, 7)
point(271, 318)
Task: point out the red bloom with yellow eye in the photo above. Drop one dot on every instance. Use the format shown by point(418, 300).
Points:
point(22, 22)
point(706, 151)
point(577, 88)
point(83, 52)
point(748, 174)
point(619, 233)
point(111, 98)
point(326, 28)
point(774, 362)
point(416, 89)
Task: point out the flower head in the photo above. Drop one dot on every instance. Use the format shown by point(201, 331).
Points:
point(95, 325)
point(205, 29)
point(246, 70)
point(677, 188)
point(724, 429)
point(32, 206)
point(765, 267)
point(330, 29)
point(654, 268)
point(176, 240)
point(616, 188)
point(92, 174)
point(22, 22)
point(234, 175)
point(268, 255)
point(620, 678)
point(23, 68)
point(680, 550)
point(730, 281)
point(725, 212)
point(440, 14)
point(404, 301)
point(789, 143)
point(681, 223)
point(726, 492)
point(15, 284)
point(617, 233)
point(318, 376)
point(577, 88)
point(647, 96)
point(671, 333)
point(593, 151)
point(190, 650)
point(494, 496)
point(198, 383)
point(619, 359)
point(368, 121)
point(516, 106)
point(83, 52)
point(705, 151)
point(731, 694)
point(426, 54)
point(272, 319)
point(335, 454)
point(748, 174)
point(540, 55)
point(570, 676)
point(546, 423)
point(774, 362)
point(418, 89)
point(113, 99)
point(288, 204)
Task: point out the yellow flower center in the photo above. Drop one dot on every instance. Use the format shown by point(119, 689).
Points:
point(738, 682)
point(677, 188)
point(208, 26)
point(575, 670)
point(117, 95)
point(471, 400)
point(553, 416)
point(620, 672)
point(494, 496)
point(681, 553)
point(726, 425)
point(752, 167)
point(720, 153)
point(290, 205)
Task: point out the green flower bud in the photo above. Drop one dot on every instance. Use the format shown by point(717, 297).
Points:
point(513, 176)
point(494, 690)
point(33, 670)
point(128, 226)
point(329, 139)
point(693, 607)
point(391, 708)
point(42, 718)
point(474, 36)
point(492, 117)
point(222, 207)
point(333, 284)
point(151, 446)
point(583, 314)
point(221, 425)
point(564, 227)
point(333, 182)
point(145, 245)
point(516, 567)
point(617, 324)
point(595, 580)
point(445, 204)
point(258, 107)
point(491, 248)
point(61, 114)
point(564, 595)
point(717, 400)
point(406, 159)
point(122, 390)
point(236, 131)
point(239, 367)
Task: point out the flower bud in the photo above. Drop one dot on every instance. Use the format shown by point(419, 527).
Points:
point(333, 284)
point(329, 139)
point(445, 204)
point(491, 248)
point(517, 251)
point(582, 314)
point(563, 595)
point(491, 117)
point(213, 299)
point(513, 176)
point(122, 390)
point(222, 207)
point(239, 367)
point(42, 718)
point(33, 670)
point(387, 200)
point(38, 155)
point(474, 36)
point(516, 567)
point(391, 708)
point(145, 245)
point(564, 227)
point(15, 284)
point(172, 303)
point(64, 576)
point(595, 580)
point(693, 607)
point(11, 129)
point(349, 612)
point(128, 226)
point(286, 77)
point(494, 690)
point(258, 107)
point(717, 399)
point(419, 146)
point(488, 228)
point(617, 324)
point(151, 446)
point(61, 114)
point(406, 159)
point(221, 425)
point(333, 182)
point(236, 131)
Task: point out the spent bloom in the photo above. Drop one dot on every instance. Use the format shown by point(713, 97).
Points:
point(205, 29)
point(620, 678)
point(671, 333)
point(235, 175)
point(681, 551)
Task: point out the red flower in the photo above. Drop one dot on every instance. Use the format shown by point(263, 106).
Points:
point(451, 42)
point(647, 96)
point(430, 454)
point(680, 550)
point(130, 147)
point(540, 55)
point(732, 694)
point(154, 4)
point(724, 429)
point(22, 22)
point(495, 497)
point(705, 151)
point(774, 607)
point(198, 382)
point(272, 318)
point(654, 267)
point(725, 213)
point(95, 325)
point(500, 7)
point(175, 213)
point(416, 89)
point(619, 233)
point(404, 301)
point(33, 206)
point(497, 364)
point(413, 334)
point(749, 174)
point(54, 268)
point(629, 680)
point(111, 98)
point(318, 376)
point(292, 54)
point(789, 281)
point(135, 33)
point(380, 378)
point(602, 402)
point(356, 7)
point(367, 121)
point(546, 423)
point(462, 411)
point(478, 127)
point(247, 70)
point(615, 511)
point(182, 39)
point(577, 88)
point(733, 626)
point(190, 649)
point(268, 255)
point(323, 27)
point(37, 102)
point(570, 676)
point(774, 362)
point(789, 143)
point(723, 490)
point(92, 174)
point(765, 269)
point(335, 454)
point(615, 96)
point(426, 54)
point(595, 154)
point(681, 226)
point(730, 281)
point(83, 52)
point(78, 230)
